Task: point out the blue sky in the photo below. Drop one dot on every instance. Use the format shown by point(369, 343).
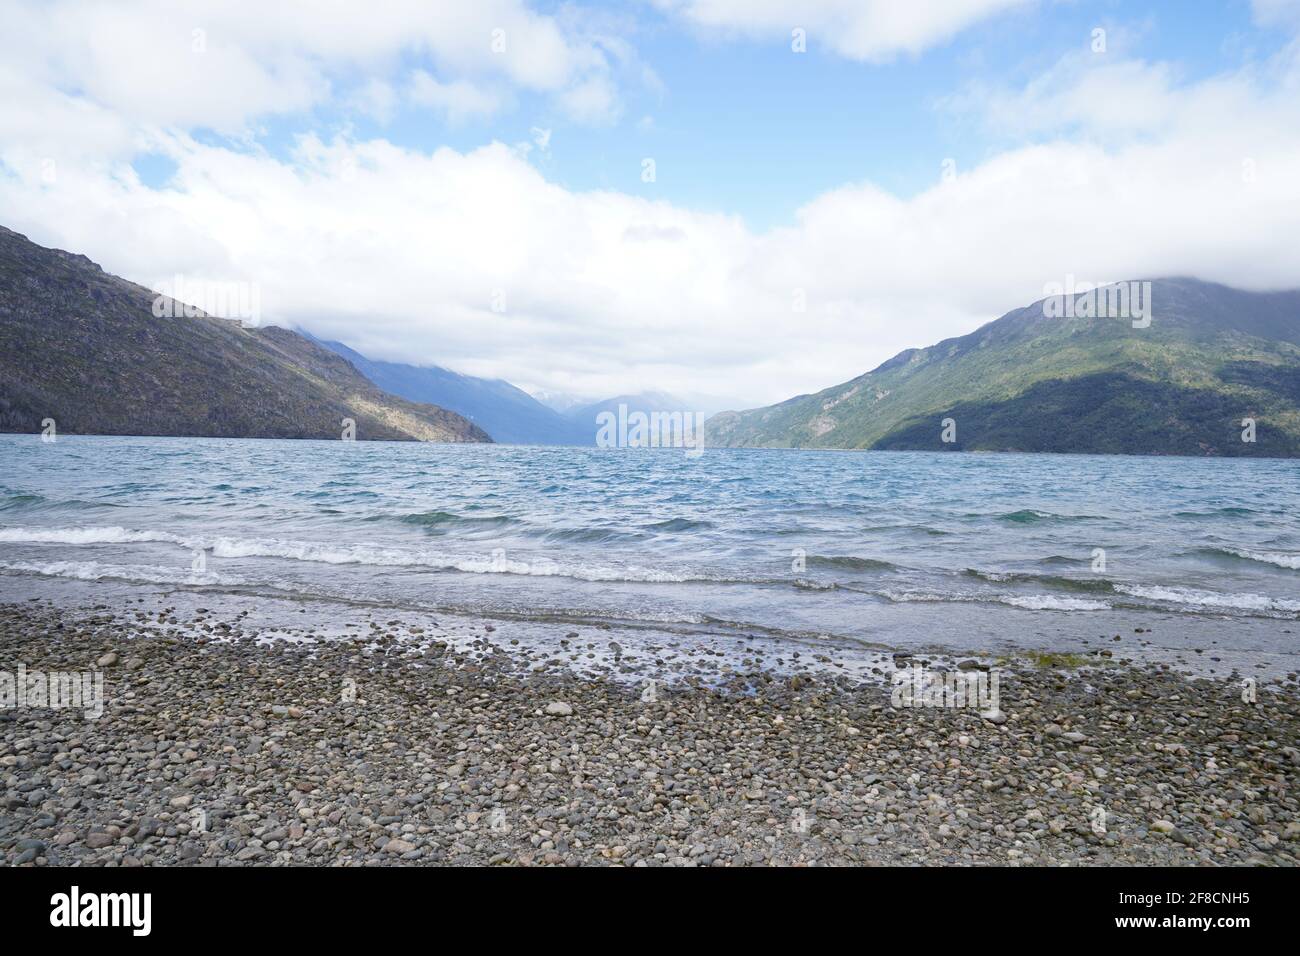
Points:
point(740, 126)
point(386, 177)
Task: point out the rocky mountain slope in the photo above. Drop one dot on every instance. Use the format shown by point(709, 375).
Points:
point(507, 413)
point(85, 349)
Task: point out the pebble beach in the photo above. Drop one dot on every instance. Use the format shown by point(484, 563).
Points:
point(392, 748)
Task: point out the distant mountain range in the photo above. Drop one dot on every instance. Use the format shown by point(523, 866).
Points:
point(646, 402)
point(504, 411)
point(88, 350)
point(1048, 379)
point(561, 402)
point(507, 413)
point(85, 349)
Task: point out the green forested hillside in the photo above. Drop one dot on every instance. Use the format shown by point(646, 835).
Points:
point(1029, 382)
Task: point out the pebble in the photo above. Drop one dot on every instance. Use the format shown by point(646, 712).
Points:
point(234, 751)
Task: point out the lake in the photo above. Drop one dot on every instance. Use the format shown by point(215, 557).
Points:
point(836, 551)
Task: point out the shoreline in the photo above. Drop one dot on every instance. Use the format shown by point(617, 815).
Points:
point(591, 644)
point(218, 749)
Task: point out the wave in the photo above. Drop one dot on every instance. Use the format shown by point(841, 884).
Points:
point(1031, 602)
point(362, 554)
point(10, 502)
point(585, 535)
point(1027, 516)
point(102, 535)
point(547, 568)
point(1057, 560)
point(1216, 512)
point(1279, 559)
point(376, 556)
point(140, 574)
point(852, 562)
point(1033, 516)
point(804, 584)
point(35, 502)
point(678, 524)
point(310, 551)
point(1212, 599)
point(429, 518)
point(1086, 585)
point(438, 519)
point(1046, 602)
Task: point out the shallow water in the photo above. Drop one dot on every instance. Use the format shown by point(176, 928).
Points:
point(850, 549)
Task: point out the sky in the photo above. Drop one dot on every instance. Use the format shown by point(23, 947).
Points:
point(732, 201)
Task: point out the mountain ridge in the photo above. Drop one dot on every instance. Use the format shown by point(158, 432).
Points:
point(505, 411)
point(1216, 354)
point(85, 348)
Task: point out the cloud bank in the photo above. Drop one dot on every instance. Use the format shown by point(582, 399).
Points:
point(475, 260)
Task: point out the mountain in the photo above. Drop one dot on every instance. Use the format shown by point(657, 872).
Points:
point(85, 348)
point(1210, 357)
point(585, 415)
point(507, 413)
point(561, 402)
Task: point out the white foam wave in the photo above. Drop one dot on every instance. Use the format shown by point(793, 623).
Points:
point(102, 535)
point(1047, 602)
point(326, 553)
point(95, 571)
point(1031, 602)
point(1281, 559)
point(1198, 598)
point(371, 555)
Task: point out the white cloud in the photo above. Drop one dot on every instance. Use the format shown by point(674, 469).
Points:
point(404, 254)
point(1274, 12)
point(592, 101)
point(375, 99)
point(1124, 97)
point(457, 100)
point(1119, 100)
point(871, 30)
point(223, 64)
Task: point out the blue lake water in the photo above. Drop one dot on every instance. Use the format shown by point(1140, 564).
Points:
point(962, 551)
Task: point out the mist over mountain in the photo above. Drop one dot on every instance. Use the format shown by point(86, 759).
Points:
point(507, 413)
point(561, 402)
point(645, 402)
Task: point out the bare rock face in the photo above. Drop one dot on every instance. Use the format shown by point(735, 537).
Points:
point(88, 350)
